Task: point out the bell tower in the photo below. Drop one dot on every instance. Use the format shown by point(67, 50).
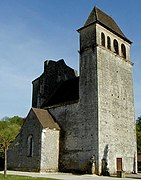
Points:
point(106, 92)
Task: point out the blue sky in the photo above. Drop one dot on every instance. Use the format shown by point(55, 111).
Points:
point(32, 31)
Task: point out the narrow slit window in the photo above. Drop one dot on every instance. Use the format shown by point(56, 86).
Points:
point(102, 39)
point(108, 43)
point(116, 48)
point(30, 146)
point(123, 51)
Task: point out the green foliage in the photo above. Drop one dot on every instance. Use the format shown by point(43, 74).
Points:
point(9, 129)
point(14, 120)
point(138, 130)
point(8, 132)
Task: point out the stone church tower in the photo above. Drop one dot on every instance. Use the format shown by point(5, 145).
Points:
point(82, 124)
point(106, 91)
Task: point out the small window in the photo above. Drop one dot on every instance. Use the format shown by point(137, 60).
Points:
point(108, 43)
point(116, 46)
point(123, 51)
point(30, 145)
point(102, 39)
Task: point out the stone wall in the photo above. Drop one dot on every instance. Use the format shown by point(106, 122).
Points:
point(19, 149)
point(88, 94)
point(78, 138)
point(116, 110)
point(49, 150)
point(106, 92)
point(44, 86)
point(116, 105)
point(14, 153)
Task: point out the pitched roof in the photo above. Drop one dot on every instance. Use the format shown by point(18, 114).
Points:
point(67, 92)
point(45, 118)
point(98, 16)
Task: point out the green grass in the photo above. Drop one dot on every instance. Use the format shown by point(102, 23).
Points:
point(13, 177)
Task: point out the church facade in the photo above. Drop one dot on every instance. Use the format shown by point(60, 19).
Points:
point(86, 123)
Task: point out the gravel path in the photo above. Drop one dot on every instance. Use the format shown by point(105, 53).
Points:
point(68, 176)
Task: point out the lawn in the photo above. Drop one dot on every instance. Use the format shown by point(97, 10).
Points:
point(13, 177)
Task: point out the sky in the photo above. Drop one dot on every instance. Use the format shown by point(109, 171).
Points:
point(32, 31)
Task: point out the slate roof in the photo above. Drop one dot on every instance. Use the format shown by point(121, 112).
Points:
point(67, 92)
point(45, 118)
point(98, 16)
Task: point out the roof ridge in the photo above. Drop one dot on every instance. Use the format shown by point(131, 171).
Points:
point(95, 11)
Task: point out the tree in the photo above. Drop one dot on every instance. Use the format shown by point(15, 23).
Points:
point(138, 130)
point(9, 129)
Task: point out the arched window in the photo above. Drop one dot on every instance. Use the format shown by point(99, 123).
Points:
point(108, 43)
point(30, 145)
point(116, 46)
point(123, 50)
point(102, 39)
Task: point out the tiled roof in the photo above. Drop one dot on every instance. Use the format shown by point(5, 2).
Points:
point(45, 119)
point(98, 16)
point(67, 92)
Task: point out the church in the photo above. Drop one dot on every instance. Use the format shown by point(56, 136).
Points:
point(82, 123)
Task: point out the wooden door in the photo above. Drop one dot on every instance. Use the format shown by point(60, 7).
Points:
point(119, 164)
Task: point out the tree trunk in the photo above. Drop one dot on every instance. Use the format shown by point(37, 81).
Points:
point(5, 162)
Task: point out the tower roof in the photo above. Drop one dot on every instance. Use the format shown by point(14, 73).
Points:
point(98, 16)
